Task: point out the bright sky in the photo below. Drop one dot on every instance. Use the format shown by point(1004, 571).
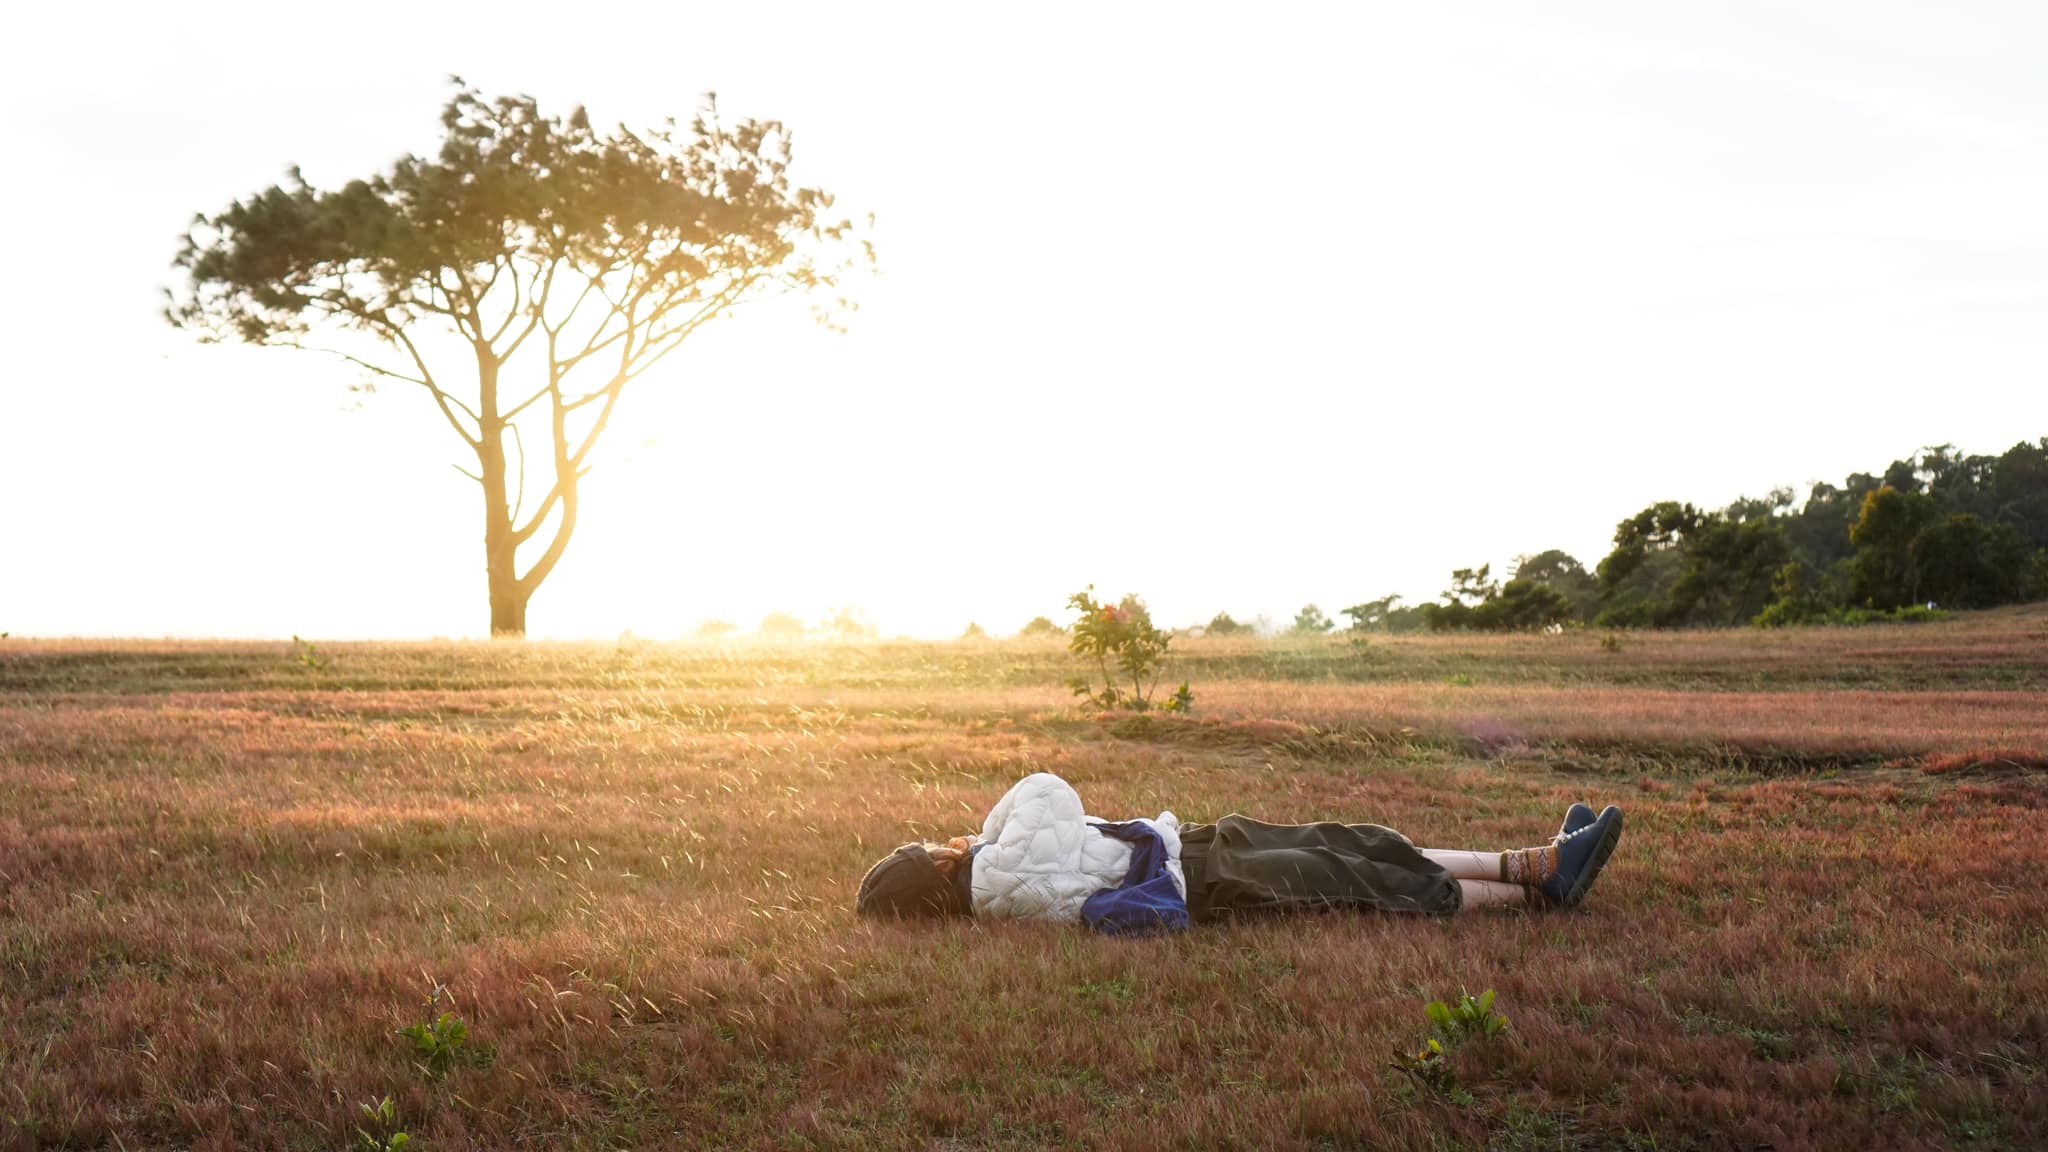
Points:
point(1237, 307)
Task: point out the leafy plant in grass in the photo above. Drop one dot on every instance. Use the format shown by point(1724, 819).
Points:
point(383, 1117)
point(440, 1043)
point(308, 654)
point(1125, 645)
point(1431, 1067)
point(1468, 1019)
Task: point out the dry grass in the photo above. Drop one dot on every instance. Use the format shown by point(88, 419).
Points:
point(225, 880)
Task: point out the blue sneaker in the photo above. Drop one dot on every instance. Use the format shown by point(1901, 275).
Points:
point(1576, 817)
point(1580, 856)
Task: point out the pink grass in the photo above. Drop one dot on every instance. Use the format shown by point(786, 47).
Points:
point(216, 906)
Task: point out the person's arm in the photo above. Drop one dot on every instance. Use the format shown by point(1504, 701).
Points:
point(1029, 866)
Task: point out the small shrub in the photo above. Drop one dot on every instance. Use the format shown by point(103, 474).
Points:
point(383, 1117)
point(1460, 680)
point(442, 1042)
point(1432, 1070)
point(1467, 1019)
point(973, 631)
point(1125, 644)
point(1610, 643)
point(308, 654)
point(1182, 700)
point(710, 628)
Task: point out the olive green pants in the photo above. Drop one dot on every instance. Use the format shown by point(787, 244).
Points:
point(1243, 866)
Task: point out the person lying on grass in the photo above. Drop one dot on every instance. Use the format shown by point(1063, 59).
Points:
point(1041, 857)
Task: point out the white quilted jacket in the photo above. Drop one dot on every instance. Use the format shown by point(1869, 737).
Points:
point(1042, 860)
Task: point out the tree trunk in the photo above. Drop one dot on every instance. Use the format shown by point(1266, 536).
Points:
point(501, 549)
point(508, 596)
point(508, 600)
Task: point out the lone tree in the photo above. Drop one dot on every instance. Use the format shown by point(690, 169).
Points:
point(599, 253)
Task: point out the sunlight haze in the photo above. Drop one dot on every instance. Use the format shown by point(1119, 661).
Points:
point(1236, 308)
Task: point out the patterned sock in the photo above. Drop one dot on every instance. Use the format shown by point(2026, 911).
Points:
point(1530, 866)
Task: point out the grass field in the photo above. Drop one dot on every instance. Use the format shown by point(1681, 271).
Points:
point(227, 878)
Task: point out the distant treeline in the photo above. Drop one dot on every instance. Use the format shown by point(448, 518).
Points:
point(1938, 530)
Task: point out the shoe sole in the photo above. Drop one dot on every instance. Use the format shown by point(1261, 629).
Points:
point(1601, 851)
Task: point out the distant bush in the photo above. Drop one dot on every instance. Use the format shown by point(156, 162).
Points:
point(1477, 602)
point(1221, 624)
point(1800, 597)
point(1310, 621)
point(1373, 615)
point(716, 628)
point(1910, 614)
point(850, 623)
point(973, 631)
point(781, 624)
point(1041, 626)
point(1855, 617)
point(1386, 615)
point(1632, 614)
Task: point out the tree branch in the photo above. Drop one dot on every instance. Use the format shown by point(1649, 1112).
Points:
point(570, 465)
point(563, 490)
point(511, 264)
point(518, 501)
point(539, 293)
point(448, 404)
point(355, 360)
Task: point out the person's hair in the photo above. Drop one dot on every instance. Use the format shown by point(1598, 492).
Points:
point(917, 880)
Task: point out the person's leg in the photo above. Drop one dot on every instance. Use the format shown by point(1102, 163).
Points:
point(1548, 875)
point(1478, 875)
point(1492, 894)
point(1466, 865)
point(1520, 866)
